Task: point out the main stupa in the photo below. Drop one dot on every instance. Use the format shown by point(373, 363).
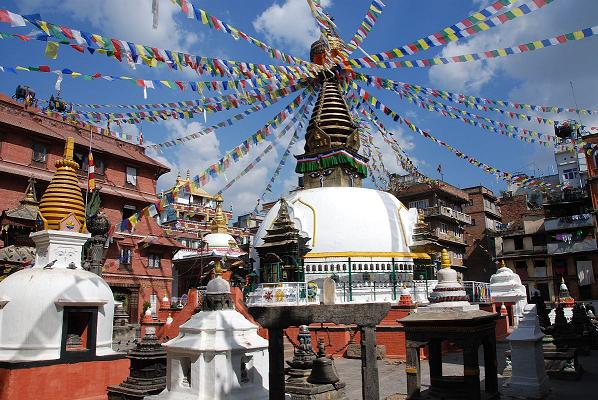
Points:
point(352, 233)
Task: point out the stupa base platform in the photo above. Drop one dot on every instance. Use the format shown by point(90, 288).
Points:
point(57, 380)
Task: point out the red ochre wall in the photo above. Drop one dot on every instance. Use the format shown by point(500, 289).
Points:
point(79, 381)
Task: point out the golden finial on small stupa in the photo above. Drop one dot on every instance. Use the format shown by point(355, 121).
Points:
point(218, 268)
point(178, 178)
point(188, 176)
point(219, 223)
point(63, 196)
point(421, 217)
point(445, 260)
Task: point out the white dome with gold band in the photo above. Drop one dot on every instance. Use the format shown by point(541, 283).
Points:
point(349, 222)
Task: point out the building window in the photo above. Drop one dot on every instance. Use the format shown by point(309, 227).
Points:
point(539, 240)
point(153, 261)
point(128, 210)
point(40, 153)
point(421, 204)
point(539, 263)
point(97, 162)
point(126, 254)
point(570, 173)
point(473, 221)
point(131, 176)
point(518, 241)
point(443, 227)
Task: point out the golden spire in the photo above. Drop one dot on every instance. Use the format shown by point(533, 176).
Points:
point(188, 176)
point(30, 194)
point(445, 260)
point(63, 196)
point(219, 223)
point(178, 178)
point(218, 268)
point(502, 263)
point(421, 218)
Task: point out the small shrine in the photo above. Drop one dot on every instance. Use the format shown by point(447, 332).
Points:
point(16, 225)
point(281, 254)
point(506, 288)
point(218, 245)
point(56, 317)
point(449, 292)
point(218, 354)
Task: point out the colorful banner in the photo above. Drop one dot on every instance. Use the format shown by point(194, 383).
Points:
point(478, 102)
point(369, 20)
point(213, 128)
point(240, 151)
point(526, 135)
point(503, 52)
point(133, 53)
point(185, 113)
point(478, 22)
point(396, 117)
point(196, 86)
point(252, 165)
point(202, 16)
point(469, 118)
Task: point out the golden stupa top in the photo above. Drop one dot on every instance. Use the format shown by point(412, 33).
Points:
point(218, 268)
point(194, 189)
point(219, 223)
point(445, 260)
point(62, 206)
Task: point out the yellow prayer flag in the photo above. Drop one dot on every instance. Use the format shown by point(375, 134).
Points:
point(51, 50)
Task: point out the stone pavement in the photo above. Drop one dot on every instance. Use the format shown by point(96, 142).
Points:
point(392, 376)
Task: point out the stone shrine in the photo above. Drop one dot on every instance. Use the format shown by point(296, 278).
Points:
point(218, 354)
point(148, 370)
point(529, 379)
point(506, 287)
point(449, 292)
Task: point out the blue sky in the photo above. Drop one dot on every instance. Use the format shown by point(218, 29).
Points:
point(541, 77)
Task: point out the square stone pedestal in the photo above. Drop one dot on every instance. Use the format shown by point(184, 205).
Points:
point(308, 391)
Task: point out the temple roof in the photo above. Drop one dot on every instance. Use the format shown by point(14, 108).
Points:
point(283, 231)
point(27, 210)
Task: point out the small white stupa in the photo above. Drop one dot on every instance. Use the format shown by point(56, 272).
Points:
point(448, 293)
point(506, 287)
point(218, 354)
point(55, 310)
point(528, 379)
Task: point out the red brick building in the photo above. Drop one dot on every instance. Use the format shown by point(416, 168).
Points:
point(138, 265)
point(480, 235)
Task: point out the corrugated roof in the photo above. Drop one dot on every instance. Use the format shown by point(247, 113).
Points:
point(12, 114)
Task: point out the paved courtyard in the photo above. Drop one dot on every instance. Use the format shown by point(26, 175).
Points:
point(392, 376)
point(393, 379)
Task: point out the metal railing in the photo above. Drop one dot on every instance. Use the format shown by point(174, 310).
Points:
point(478, 292)
point(450, 213)
point(284, 293)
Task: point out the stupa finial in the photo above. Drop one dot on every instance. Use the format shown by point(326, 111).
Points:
point(63, 197)
point(219, 222)
point(502, 264)
point(218, 268)
point(445, 260)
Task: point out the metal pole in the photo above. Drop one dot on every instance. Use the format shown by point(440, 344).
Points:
point(350, 282)
point(394, 280)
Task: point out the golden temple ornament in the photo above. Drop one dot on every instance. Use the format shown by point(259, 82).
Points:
point(62, 206)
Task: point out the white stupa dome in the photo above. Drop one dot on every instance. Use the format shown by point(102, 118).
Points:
point(31, 321)
point(220, 241)
point(348, 221)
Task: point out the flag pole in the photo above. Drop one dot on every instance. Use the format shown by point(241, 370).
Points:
point(88, 169)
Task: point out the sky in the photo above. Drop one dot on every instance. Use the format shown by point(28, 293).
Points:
point(540, 77)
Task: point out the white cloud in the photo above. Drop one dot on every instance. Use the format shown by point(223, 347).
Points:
point(196, 155)
point(290, 24)
point(129, 20)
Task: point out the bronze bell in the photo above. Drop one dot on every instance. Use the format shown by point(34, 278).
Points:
point(323, 371)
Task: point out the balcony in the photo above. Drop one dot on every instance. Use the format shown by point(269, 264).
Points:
point(495, 211)
point(569, 222)
point(446, 212)
point(574, 247)
point(449, 237)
